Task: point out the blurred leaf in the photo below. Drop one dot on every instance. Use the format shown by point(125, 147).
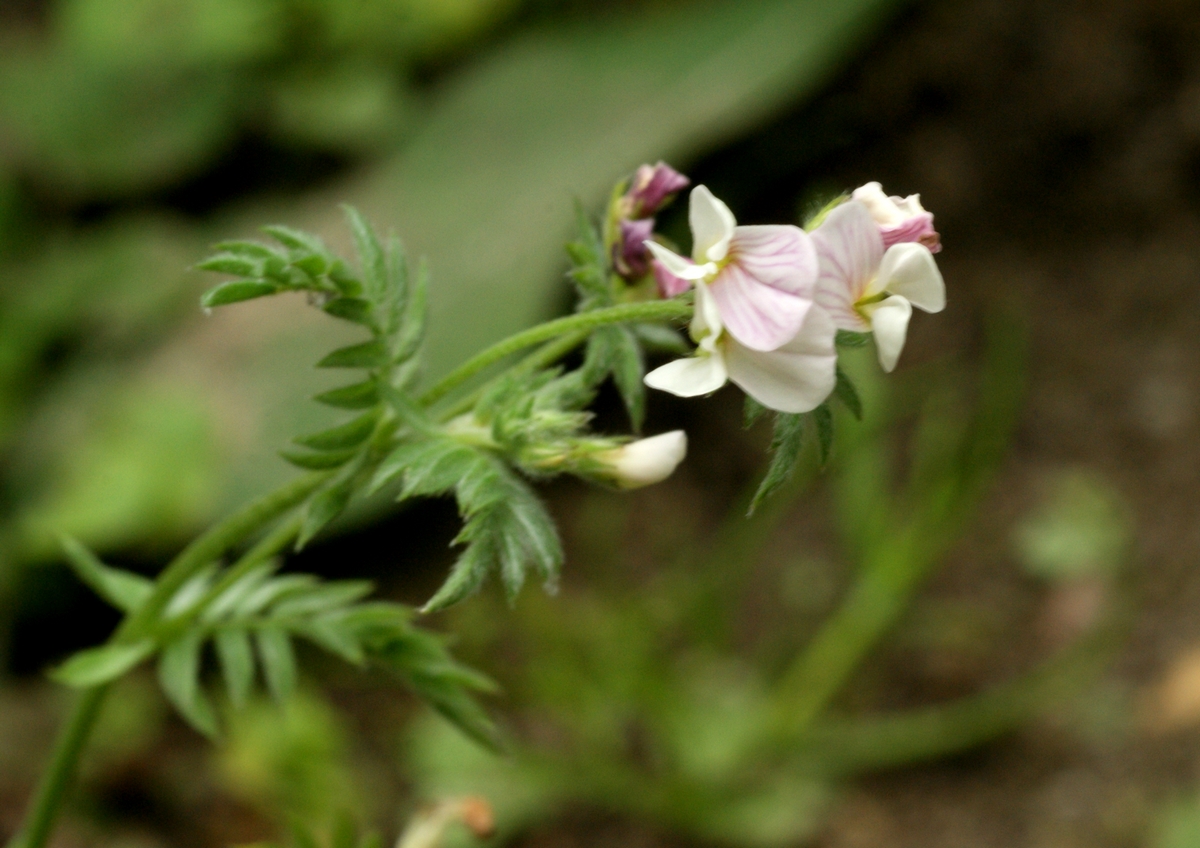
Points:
point(124, 590)
point(1080, 529)
point(179, 676)
point(103, 664)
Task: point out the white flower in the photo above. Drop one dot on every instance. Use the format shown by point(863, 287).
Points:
point(795, 377)
point(644, 461)
point(867, 289)
point(900, 219)
point(761, 278)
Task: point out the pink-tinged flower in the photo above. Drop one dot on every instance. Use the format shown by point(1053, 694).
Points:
point(629, 253)
point(866, 288)
point(795, 377)
point(900, 219)
point(651, 188)
point(761, 278)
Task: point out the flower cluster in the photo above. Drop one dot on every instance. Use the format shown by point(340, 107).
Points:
point(770, 300)
point(632, 220)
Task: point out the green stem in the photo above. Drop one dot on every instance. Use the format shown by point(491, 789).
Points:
point(659, 310)
point(59, 776)
point(547, 354)
point(211, 545)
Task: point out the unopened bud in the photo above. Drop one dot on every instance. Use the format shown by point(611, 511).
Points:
point(629, 253)
point(900, 219)
point(644, 461)
point(652, 187)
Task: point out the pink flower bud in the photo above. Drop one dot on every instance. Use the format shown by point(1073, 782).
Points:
point(629, 253)
point(652, 187)
point(900, 219)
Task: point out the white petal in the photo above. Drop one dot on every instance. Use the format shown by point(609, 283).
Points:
point(849, 250)
point(909, 269)
point(783, 257)
point(889, 321)
point(795, 378)
point(690, 377)
point(712, 226)
point(706, 324)
point(758, 316)
point(676, 264)
point(646, 461)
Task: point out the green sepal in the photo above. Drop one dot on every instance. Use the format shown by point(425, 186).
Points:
point(372, 354)
point(235, 291)
point(357, 396)
point(179, 676)
point(123, 589)
point(102, 664)
point(848, 395)
point(785, 451)
point(320, 461)
point(351, 434)
point(849, 338)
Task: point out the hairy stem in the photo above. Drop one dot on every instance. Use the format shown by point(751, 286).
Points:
point(659, 310)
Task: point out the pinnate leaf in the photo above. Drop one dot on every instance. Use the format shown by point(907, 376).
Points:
point(102, 664)
point(124, 590)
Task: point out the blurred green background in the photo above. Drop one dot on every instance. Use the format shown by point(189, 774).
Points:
point(1058, 145)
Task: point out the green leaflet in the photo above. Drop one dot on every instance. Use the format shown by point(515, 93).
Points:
point(348, 435)
point(237, 291)
point(179, 676)
point(847, 394)
point(355, 396)
point(785, 450)
point(372, 354)
point(124, 590)
point(104, 664)
point(278, 660)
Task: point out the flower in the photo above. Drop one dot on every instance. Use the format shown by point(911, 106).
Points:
point(645, 461)
point(761, 278)
point(900, 219)
point(668, 284)
point(651, 188)
point(866, 288)
point(796, 377)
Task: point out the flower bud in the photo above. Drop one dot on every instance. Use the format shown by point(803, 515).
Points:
point(644, 461)
point(900, 219)
point(652, 187)
point(629, 253)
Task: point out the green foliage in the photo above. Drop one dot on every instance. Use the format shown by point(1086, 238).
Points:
point(506, 529)
point(786, 440)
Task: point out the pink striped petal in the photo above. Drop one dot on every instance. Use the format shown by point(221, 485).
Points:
point(797, 377)
point(918, 228)
point(757, 315)
point(849, 250)
point(782, 257)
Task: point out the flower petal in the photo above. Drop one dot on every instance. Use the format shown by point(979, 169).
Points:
point(690, 377)
point(676, 264)
point(849, 250)
point(757, 315)
point(712, 226)
point(795, 378)
point(909, 269)
point(783, 257)
point(706, 326)
point(889, 321)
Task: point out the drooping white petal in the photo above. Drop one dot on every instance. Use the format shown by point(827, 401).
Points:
point(849, 250)
point(757, 315)
point(910, 270)
point(712, 226)
point(887, 211)
point(676, 264)
point(691, 376)
point(795, 378)
point(889, 321)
